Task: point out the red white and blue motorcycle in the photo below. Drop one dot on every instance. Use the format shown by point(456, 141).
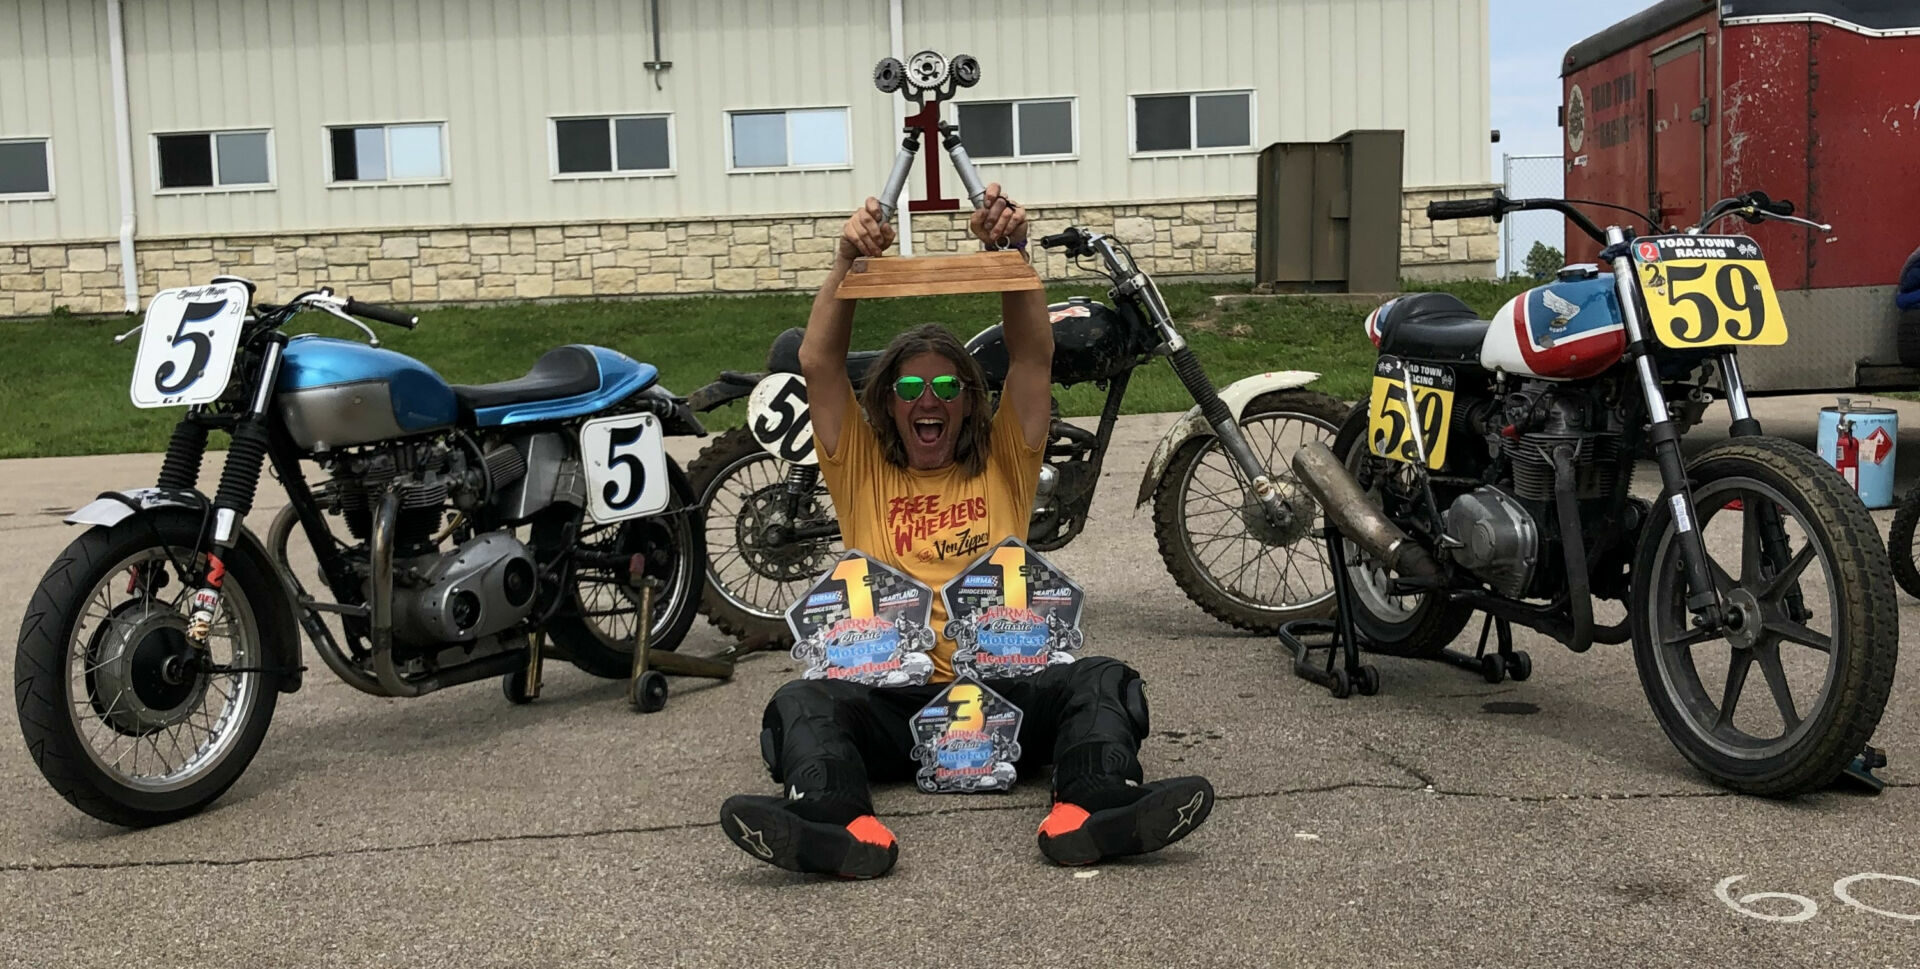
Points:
point(153, 650)
point(1491, 470)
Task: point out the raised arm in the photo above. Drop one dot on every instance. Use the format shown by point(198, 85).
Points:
point(1023, 315)
point(823, 353)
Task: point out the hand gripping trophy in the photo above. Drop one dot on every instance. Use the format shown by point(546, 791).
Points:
point(927, 76)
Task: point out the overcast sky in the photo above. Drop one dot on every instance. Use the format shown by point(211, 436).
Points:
point(1529, 38)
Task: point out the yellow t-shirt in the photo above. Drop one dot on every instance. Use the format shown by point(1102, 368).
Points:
point(931, 524)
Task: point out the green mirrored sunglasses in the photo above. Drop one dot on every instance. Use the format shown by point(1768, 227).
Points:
point(944, 387)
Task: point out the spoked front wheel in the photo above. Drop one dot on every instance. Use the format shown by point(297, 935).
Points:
point(123, 715)
point(1218, 545)
point(1783, 696)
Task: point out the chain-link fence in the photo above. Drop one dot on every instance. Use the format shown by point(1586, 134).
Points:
point(1531, 176)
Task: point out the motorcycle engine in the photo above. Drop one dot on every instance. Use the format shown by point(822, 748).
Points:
point(483, 586)
point(480, 587)
point(1495, 538)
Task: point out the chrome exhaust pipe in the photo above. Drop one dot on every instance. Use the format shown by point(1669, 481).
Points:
point(1347, 507)
point(380, 550)
point(316, 629)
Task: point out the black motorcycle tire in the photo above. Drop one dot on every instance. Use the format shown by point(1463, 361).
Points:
point(589, 648)
point(1865, 639)
point(1169, 518)
point(1900, 544)
point(707, 472)
point(1434, 624)
point(41, 679)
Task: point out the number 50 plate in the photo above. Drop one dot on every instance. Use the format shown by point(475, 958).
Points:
point(1392, 426)
point(1708, 291)
point(187, 345)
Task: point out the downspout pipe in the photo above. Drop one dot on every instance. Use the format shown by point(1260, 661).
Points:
point(896, 31)
point(123, 143)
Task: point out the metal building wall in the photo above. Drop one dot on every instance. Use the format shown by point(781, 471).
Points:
point(497, 71)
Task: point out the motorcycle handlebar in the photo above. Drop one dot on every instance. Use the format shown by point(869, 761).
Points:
point(1485, 208)
point(383, 314)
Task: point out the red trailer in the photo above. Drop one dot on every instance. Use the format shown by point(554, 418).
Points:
point(1815, 101)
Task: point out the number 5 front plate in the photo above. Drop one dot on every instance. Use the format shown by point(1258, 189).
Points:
point(1391, 424)
point(187, 345)
point(626, 461)
point(1708, 291)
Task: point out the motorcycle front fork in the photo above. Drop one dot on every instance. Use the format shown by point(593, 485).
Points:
point(1703, 597)
point(1279, 513)
point(239, 481)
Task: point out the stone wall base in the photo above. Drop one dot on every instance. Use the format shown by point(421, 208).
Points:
point(1212, 238)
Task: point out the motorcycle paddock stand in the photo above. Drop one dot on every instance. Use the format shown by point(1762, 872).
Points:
point(522, 686)
point(1505, 662)
point(1339, 633)
point(647, 683)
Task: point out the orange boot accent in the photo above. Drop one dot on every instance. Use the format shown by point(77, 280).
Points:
point(868, 828)
point(1064, 818)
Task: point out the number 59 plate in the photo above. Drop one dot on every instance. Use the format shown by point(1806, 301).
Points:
point(1708, 291)
point(187, 345)
point(1398, 432)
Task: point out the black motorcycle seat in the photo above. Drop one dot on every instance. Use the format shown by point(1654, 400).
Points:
point(1431, 326)
point(784, 357)
point(560, 372)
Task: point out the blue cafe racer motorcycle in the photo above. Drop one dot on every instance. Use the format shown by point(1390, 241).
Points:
point(479, 520)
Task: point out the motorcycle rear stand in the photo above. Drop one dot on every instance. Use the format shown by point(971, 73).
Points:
point(647, 681)
point(1342, 637)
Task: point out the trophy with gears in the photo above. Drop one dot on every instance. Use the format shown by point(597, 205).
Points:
point(929, 77)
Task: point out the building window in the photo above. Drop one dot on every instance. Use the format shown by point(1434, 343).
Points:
point(202, 160)
point(799, 138)
point(1214, 121)
point(388, 153)
point(631, 145)
point(26, 168)
point(1018, 129)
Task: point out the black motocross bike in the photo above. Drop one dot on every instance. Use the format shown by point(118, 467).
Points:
point(1233, 527)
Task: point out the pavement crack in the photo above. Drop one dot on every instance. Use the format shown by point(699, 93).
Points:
point(1552, 798)
point(353, 852)
point(1425, 785)
point(1426, 780)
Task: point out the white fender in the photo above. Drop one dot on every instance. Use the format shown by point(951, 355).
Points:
point(1191, 424)
point(108, 512)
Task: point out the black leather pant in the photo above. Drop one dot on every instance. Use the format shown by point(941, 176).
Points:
point(830, 737)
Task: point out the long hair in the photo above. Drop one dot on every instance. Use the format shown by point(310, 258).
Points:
point(976, 433)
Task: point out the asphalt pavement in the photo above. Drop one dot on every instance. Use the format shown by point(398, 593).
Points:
point(1446, 822)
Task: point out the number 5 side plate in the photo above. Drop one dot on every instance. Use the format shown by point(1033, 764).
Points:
point(187, 345)
point(626, 462)
point(779, 420)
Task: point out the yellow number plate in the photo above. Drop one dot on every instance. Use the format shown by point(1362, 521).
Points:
point(1708, 291)
point(1391, 431)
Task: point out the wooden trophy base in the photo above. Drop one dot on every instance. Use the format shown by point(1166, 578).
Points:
point(999, 271)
